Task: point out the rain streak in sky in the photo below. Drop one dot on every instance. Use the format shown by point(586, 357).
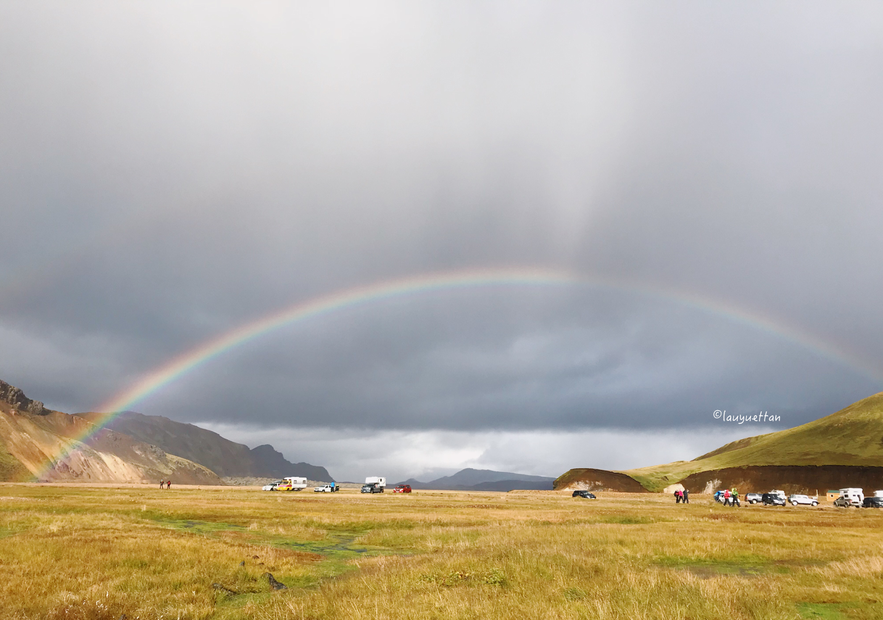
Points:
point(600, 222)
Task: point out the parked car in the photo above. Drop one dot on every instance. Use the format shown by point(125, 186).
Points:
point(372, 488)
point(772, 499)
point(271, 487)
point(584, 494)
point(753, 498)
point(325, 488)
point(402, 488)
point(873, 501)
point(805, 500)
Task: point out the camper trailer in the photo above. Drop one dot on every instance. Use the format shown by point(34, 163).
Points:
point(292, 483)
point(374, 484)
point(850, 497)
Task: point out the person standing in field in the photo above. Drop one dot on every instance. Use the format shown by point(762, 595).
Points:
point(726, 497)
point(677, 496)
point(735, 496)
point(169, 484)
point(685, 494)
point(162, 484)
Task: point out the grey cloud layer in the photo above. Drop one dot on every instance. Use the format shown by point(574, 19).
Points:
point(168, 173)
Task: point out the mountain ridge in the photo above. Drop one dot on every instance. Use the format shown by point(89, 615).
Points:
point(470, 479)
point(224, 457)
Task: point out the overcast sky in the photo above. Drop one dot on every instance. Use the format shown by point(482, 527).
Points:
point(172, 171)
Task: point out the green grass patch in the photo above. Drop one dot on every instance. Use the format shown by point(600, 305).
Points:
point(830, 611)
point(628, 520)
point(743, 565)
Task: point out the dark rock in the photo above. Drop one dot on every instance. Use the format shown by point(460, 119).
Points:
point(17, 398)
point(273, 583)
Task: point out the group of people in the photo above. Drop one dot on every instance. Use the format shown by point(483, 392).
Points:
point(165, 484)
point(730, 497)
point(682, 496)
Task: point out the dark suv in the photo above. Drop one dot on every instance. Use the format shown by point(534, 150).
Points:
point(872, 502)
point(584, 494)
point(772, 499)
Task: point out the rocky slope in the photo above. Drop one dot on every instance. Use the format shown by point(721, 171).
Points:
point(32, 437)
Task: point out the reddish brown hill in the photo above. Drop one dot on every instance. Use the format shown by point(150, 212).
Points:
point(598, 480)
point(807, 479)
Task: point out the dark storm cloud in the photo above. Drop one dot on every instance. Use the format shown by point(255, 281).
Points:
point(169, 173)
point(458, 364)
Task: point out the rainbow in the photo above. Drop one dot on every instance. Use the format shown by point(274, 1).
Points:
point(388, 289)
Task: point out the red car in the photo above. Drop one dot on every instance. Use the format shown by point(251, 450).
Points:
point(402, 488)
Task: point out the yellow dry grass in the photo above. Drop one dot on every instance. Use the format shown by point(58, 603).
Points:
point(100, 553)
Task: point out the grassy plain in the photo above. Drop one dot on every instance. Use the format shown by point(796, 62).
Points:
point(85, 553)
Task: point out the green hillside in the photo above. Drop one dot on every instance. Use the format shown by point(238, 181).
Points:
point(11, 469)
point(852, 436)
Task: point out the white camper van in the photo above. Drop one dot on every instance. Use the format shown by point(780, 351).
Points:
point(850, 497)
point(292, 483)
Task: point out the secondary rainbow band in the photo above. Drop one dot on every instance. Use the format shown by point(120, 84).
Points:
point(187, 361)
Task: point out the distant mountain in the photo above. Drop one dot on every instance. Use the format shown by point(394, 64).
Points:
point(485, 480)
point(224, 457)
point(32, 437)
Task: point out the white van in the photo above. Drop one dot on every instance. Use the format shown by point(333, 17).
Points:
point(850, 496)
